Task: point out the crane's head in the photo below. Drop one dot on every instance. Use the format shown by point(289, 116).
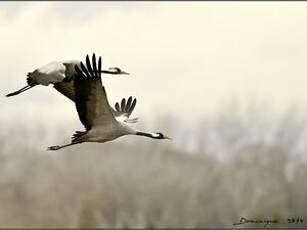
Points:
point(153, 135)
point(160, 136)
point(116, 70)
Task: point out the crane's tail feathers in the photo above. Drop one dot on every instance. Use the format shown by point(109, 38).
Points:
point(20, 91)
point(30, 80)
point(132, 120)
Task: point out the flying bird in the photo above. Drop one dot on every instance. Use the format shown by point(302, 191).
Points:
point(95, 113)
point(60, 74)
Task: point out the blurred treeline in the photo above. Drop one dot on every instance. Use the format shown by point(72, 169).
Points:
point(228, 165)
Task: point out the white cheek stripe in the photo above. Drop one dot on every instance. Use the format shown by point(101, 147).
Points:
point(154, 135)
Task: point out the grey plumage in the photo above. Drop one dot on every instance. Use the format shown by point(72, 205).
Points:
point(59, 73)
point(66, 88)
point(94, 110)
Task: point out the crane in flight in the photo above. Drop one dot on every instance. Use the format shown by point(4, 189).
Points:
point(100, 122)
point(60, 74)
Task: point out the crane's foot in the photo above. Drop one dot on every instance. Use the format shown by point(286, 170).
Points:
point(55, 147)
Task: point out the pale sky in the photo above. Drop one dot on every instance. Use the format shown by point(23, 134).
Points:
point(185, 58)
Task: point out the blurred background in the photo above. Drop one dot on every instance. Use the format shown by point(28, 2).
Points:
point(226, 80)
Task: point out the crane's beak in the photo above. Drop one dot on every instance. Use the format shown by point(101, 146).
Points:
point(20, 91)
point(122, 72)
point(168, 138)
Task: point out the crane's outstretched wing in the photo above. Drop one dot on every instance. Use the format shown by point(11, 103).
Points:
point(66, 88)
point(123, 110)
point(120, 110)
point(90, 95)
point(125, 107)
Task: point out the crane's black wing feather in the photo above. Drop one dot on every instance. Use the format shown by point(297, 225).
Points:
point(94, 66)
point(90, 96)
point(117, 107)
point(123, 104)
point(99, 66)
point(84, 70)
point(131, 108)
point(129, 102)
point(88, 65)
point(126, 107)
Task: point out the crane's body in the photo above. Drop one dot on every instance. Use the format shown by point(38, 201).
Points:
point(95, 113)
point(53, 72)
point(109, 132)
point(56, 73)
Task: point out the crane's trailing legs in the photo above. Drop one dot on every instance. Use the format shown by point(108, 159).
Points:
point(57, 147)
point(20, 91)
point(74, 141)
